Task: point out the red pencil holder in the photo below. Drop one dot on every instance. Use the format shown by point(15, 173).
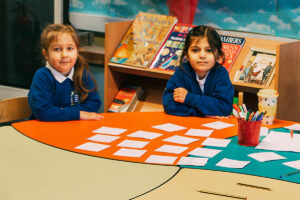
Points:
point(248, 132)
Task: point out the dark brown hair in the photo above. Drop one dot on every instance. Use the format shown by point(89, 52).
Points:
point(81, 68)
point(212, 36)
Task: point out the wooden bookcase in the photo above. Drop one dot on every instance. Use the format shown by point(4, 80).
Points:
point(153, 82)
point(288, 80)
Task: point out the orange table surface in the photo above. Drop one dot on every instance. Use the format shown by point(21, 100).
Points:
point(70, 134)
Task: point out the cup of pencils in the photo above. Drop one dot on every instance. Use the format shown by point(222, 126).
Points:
point(249, 126)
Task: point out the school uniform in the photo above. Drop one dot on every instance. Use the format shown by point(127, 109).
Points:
point(52, 96)
point(215, 98)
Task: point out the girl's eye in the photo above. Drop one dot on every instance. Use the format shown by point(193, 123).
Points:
point(56, 49)
point(70, 48)
point(209, 50)
point(195, 50)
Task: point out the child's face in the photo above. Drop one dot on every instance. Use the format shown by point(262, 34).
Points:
point(62, 53)
point(201, 56)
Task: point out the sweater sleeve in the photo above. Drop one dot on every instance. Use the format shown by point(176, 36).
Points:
point(172, 107)
point(40, 99)
point(218, 101)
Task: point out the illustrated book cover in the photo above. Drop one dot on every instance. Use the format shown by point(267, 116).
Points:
point(126, 98)
point(169, 55)
point(258, 67)
point(231, 47)
point(143, 39)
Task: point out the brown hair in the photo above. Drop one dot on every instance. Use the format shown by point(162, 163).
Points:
point(212, 36)
point(81, 68)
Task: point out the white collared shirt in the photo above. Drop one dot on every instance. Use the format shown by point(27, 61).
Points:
point(59, 76)
point(201, 82)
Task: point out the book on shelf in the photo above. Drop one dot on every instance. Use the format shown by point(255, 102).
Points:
point(143, 39)
point(231, 47)
point(168, 57)
point(258, 68)
point(126, 98)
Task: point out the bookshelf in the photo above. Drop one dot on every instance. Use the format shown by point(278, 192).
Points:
point(153, 82)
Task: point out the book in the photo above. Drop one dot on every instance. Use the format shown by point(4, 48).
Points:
point(231, 47)
point(258, 67)
point(169, 55)
point(143, 39)
point(126, 98)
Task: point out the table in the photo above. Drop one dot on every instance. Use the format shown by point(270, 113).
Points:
point(31, 169)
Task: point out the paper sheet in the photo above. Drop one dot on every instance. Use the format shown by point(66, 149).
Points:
point(294, 164)
point(129, 152)
point(295, 127)
point(204, 152)
point(171, 149)
point(144, 134)
point(280, 141)
point(91, 146)
point(264, 131)
point(133, 144)
point(229, 163)
point(217, 125)
point(216, 142)
point(155, 159)
point(169, 127)
point(103, 138)
point(180, 139)
point(199, 132)
point(192, 161)
point(109, 130)
point(266, 156)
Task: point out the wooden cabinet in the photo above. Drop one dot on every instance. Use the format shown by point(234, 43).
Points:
point(153, 82)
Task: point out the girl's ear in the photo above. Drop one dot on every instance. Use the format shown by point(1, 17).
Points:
point(45, 54)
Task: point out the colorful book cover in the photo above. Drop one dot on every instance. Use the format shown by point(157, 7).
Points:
point(143, 39)
point(126, 98)
point(231, 47)
point(169, 55)
point(258, 68)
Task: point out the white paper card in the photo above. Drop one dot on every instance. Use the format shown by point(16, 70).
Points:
point(169, 127)
point(129, 152)
point(199, 132)
point(229, 163)
point(171, 149)
point(180, 139)
point(264, 131)
point(217, 125)
point(204, 152)
point(91, 146)
point(266, 156)
point(294, 164)
point(133, 144)
point(280, 141)
point(161, 159)
point(103, 138)
point(295, 127)
point(192, 161)
point(144, 134)
point(216, 142)
point(109, 130)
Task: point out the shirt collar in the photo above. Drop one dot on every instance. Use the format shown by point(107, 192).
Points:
point(59, 76)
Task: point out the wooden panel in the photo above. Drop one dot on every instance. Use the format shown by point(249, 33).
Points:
point(289, 82)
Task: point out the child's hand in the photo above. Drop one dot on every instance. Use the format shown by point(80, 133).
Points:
point(90, 115)
point(179, 94)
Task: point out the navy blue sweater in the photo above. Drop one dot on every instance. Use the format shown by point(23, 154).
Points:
point(216, 100)
point(50, 100)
